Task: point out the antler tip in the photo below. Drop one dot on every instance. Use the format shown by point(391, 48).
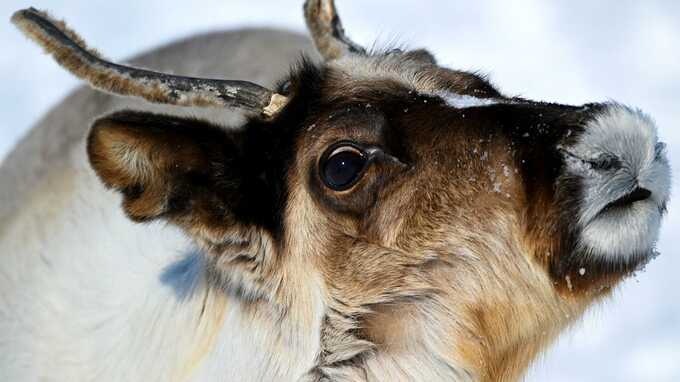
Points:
point(71, 52)
point(22, 16)
point(19, 17)
point(326, 29)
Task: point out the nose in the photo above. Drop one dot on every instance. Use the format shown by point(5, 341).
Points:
point(619, 161)
point(619, 138)
point(622, 200)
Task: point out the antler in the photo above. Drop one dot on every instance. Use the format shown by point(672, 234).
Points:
point(326, 28)
point(71, 52)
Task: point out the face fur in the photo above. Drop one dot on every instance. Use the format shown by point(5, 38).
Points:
point(476, 203)
point(440, 209)
point(432, 213)
point(425, 225)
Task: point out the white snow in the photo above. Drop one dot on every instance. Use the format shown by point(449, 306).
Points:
point(462, 101)
point(571, 52)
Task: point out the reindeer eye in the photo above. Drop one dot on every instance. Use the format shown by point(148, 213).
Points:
point(343, 166)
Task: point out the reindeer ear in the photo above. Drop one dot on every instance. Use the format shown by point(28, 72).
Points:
point(187, 171)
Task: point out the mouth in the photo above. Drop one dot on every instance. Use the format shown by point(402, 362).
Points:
point(637, 195)
point(625, 229)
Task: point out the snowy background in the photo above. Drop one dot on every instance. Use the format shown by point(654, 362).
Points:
point(571, 51)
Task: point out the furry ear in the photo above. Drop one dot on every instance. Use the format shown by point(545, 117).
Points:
point(186, 171)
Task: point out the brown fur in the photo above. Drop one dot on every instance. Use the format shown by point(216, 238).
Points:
point(444, 254)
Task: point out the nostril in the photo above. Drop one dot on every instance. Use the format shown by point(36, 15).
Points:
point(605, 162)
point(636, 195)
point(639, 194)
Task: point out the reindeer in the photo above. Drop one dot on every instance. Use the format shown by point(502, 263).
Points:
point(374, 217)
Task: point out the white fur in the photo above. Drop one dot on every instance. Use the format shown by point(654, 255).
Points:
point(631, 137)
point(86, 294)
point(408, 73)
point(387, 67)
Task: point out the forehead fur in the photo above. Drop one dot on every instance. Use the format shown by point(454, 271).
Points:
point(414, 72)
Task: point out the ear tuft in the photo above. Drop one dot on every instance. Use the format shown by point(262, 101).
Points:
point(119, 153)
point(188, 172)
point(159, 163)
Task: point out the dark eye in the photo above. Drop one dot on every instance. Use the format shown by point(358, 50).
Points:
point(342, 167)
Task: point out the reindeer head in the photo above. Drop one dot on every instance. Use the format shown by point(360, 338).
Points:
point(421, 222)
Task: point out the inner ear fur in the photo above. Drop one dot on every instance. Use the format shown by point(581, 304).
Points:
point(184, 170)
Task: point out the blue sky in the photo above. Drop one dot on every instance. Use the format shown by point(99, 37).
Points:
point(571, 52)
